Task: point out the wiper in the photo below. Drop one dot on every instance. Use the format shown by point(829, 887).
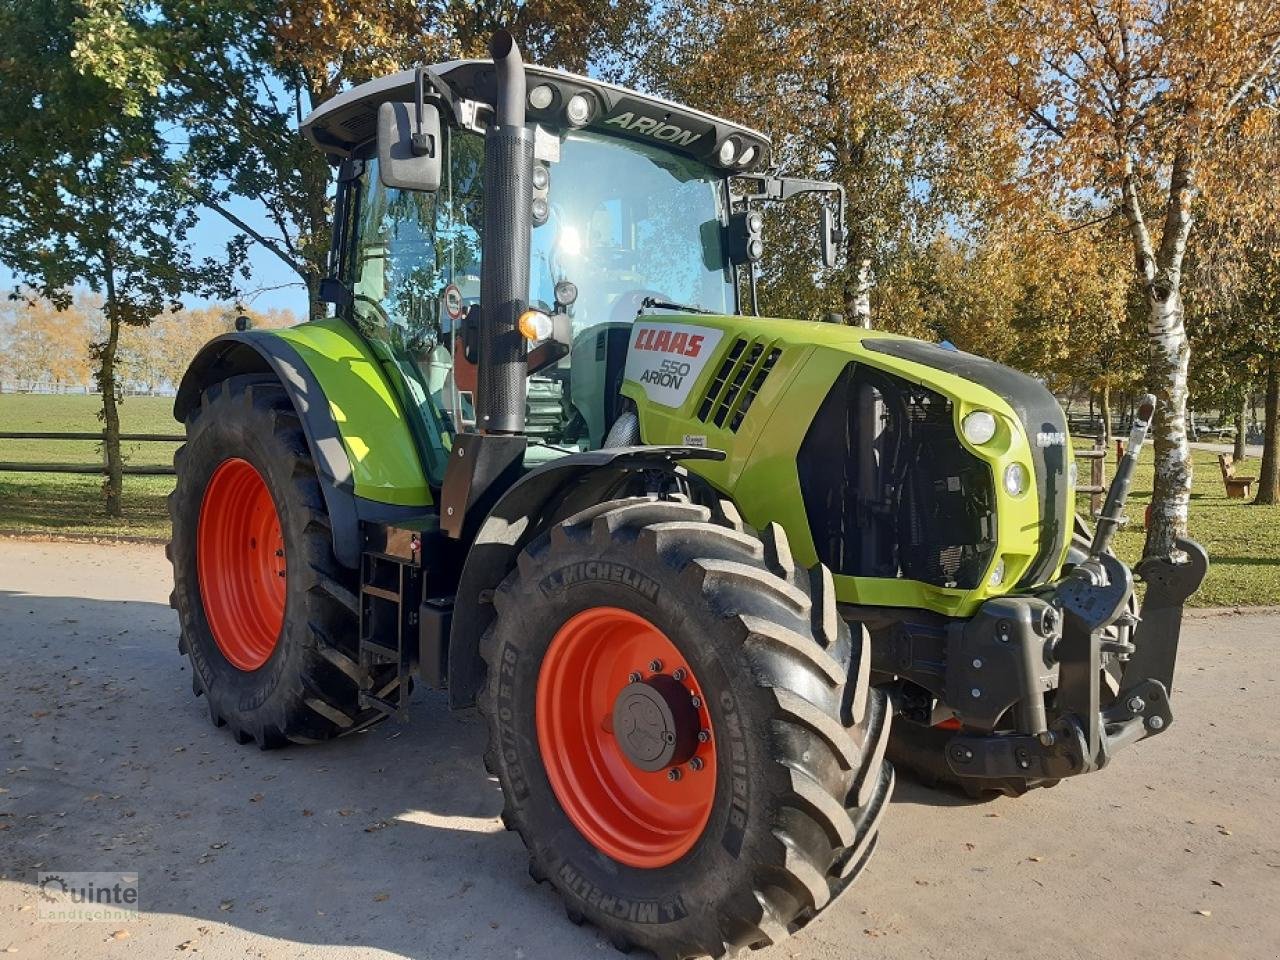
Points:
point(651, 303)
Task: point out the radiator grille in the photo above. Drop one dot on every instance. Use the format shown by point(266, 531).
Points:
point(737, 383)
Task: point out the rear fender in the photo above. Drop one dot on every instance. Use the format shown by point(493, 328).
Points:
point(542, 497)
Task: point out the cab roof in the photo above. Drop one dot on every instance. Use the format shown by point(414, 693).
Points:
point(340, 125)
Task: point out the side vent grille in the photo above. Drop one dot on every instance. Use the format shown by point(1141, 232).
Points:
point(738, 382)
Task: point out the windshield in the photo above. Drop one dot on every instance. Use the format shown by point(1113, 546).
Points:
point(628, 221)
point(625, 221)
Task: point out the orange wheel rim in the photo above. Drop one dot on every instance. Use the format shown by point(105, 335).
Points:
point(626, 737)
point(240, 564)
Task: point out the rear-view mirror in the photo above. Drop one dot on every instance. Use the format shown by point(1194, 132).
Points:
point(830, 236)
point(409, 148)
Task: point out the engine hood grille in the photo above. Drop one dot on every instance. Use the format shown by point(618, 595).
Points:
point(1042, 419)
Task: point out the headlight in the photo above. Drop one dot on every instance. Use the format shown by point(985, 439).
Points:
point(1015, 479)
point(978, 427)
point(997, 574)
point(728, 150)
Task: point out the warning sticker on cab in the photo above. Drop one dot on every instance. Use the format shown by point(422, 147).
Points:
point(667, 359)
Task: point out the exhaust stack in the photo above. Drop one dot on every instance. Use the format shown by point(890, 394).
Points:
point(504, 271)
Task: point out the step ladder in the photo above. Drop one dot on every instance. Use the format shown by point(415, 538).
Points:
point(390, 596)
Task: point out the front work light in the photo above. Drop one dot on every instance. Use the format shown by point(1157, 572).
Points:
point(578, 109)
point(1015, 479)
point(978, 427)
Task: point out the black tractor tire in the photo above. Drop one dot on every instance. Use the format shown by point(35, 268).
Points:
point(920, 751)
point(802, 782)
point(308, 689)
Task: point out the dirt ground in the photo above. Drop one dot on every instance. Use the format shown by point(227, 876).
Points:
point(387, 844)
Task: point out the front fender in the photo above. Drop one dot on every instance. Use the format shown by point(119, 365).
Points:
point(542, 497)
point(361, 445)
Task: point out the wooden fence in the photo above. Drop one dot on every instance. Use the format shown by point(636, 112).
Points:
point(98, 468)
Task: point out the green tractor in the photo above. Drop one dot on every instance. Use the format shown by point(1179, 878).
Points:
point(687, 562)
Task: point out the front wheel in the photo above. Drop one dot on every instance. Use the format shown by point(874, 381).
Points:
point(268, 614)
point(682, 728)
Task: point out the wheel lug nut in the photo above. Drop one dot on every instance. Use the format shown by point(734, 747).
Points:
point(704, 736)
point(655, 666)
point(696, 701)
point(633, 677)
point(673, 774)
point(680, 673)
point(696, 763)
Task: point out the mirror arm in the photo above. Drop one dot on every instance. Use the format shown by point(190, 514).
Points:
point(423, 144)
point(784, 188)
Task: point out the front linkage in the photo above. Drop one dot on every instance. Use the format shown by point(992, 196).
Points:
point(1050, 685)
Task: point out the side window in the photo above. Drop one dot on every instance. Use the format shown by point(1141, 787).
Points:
point(392, 268)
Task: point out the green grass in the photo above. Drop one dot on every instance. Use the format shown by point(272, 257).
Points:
point(1243, 540)
point(73, 503)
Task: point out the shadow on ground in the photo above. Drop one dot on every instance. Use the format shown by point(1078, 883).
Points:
point(388, 839)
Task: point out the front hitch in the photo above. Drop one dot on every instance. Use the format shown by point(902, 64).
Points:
point(1083, 732)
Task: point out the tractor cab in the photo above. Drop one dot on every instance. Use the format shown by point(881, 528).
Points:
point(629, 210)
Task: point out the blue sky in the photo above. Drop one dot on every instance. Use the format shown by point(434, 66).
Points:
point(266, 287)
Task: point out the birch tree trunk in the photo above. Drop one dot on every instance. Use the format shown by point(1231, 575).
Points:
point(858, 306)
point(1168, 355)
point(858, 282)
point(1106, 414)
point(1269, 475)
point(1159, 273)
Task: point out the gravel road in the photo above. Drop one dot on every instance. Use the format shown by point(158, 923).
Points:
point(387, 844)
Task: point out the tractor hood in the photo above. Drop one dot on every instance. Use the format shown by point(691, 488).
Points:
point(853, 440)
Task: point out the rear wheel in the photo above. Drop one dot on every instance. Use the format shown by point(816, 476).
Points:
point(682, 728)
point(268, 615)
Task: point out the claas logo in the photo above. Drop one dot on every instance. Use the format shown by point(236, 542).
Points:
point(667, 341)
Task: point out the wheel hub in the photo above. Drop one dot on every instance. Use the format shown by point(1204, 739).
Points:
point(655, 723)
point(240, 564)
point(630, 754)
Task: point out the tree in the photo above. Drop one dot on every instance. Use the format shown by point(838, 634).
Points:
point(839, 88)
point(163, 350)
point(243, 74)
point(1239, 344)
point(83, 175)
point(46, 343)
point(1139, 103)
